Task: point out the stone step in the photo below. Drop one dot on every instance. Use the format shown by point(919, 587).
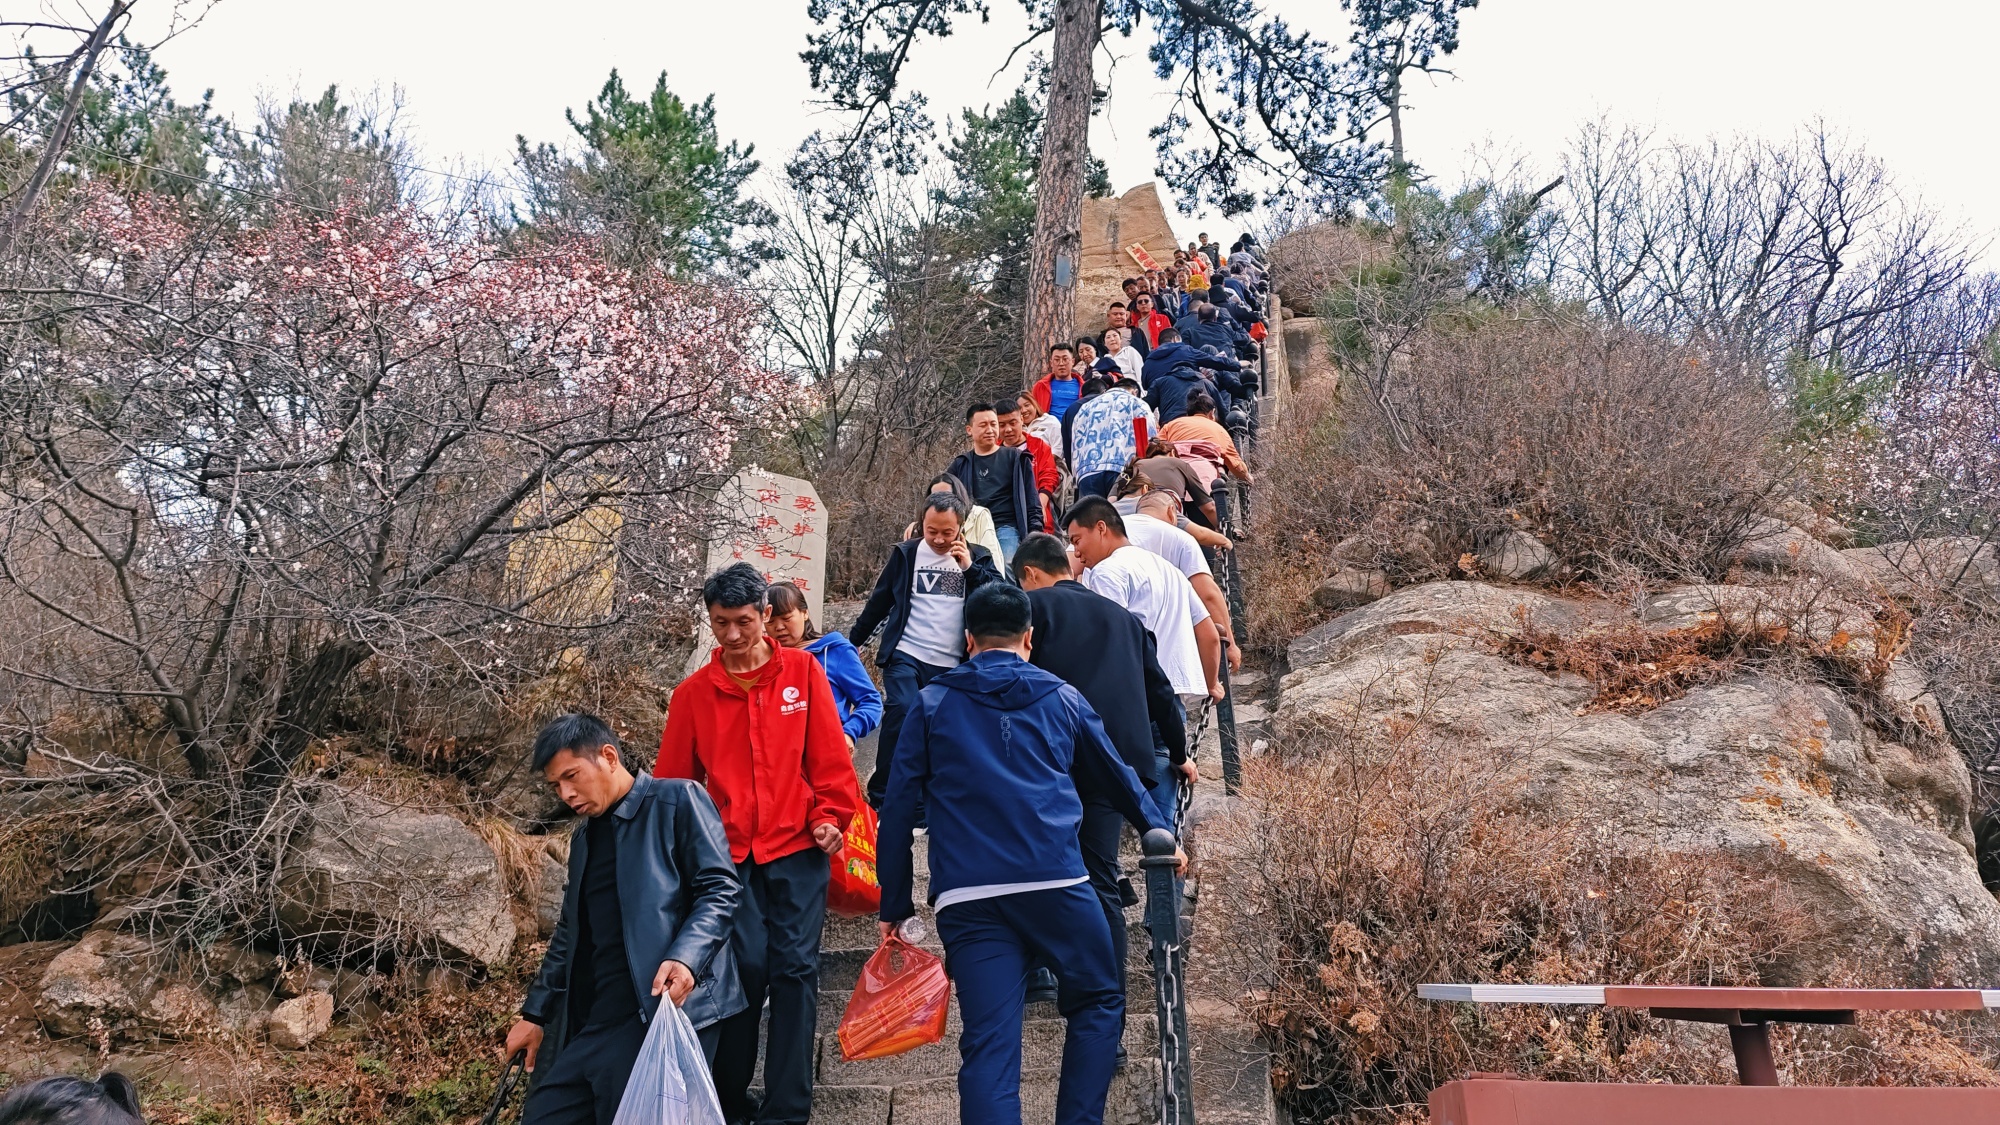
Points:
point(1134, 1098)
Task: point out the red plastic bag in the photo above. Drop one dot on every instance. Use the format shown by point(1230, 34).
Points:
point(854, 889)
point(899, 1003)
point(1258, 332)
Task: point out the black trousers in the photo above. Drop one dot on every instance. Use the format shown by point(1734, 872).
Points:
point(1099, 834)
point(776, 942)
point(588, 1076)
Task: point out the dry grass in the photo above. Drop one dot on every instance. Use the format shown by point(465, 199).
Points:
point(1375, 861)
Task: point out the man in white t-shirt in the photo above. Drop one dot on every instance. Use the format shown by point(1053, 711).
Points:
point(1159, 595)
point(1155, 526)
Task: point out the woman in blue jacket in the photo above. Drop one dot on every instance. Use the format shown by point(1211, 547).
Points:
point(860, 703)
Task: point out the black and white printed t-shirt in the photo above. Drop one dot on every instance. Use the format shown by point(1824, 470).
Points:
point(935, 633)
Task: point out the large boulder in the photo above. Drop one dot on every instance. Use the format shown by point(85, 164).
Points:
point(295, 1023)
point(100, 987)
point(1872, 834)
point(371, 877)
point(1776, 546)
point(1308, 355)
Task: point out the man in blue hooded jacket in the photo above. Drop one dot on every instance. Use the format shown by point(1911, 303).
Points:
point(994, 753)
point(1174, 371)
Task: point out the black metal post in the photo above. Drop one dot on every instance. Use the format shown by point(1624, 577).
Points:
point(1163, 924)
point(1225, 731)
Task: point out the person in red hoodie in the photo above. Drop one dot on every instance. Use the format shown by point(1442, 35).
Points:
point(758, 724)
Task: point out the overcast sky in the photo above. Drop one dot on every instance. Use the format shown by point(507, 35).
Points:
point(1913, 81)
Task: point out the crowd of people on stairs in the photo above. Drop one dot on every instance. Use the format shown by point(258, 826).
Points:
point(1043, 636)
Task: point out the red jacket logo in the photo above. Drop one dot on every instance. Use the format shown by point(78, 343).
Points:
point(793, 704)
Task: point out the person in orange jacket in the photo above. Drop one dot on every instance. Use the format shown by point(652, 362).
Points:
point(758, 724)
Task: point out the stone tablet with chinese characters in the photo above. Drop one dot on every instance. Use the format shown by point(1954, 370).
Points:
point(775, 524)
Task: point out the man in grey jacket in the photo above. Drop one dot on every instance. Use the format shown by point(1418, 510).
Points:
point(647, 912)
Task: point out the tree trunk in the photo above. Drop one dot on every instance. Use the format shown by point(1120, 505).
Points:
point(1396, 121)
point(57, 141)
point(1051, 308)
point(305, 706)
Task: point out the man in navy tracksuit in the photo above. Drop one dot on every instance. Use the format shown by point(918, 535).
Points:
point(994, 752)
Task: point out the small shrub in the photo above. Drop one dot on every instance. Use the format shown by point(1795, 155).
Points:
point(1629, 456)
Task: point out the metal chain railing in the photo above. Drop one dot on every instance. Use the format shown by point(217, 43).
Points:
point(1163, 924)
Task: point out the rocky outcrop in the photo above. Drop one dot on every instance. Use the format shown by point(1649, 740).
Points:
point(1351, 586)
point(1965, 565)
point(1308, 357)
point(371, 876)
point(1872, 834)
point(1109, 226)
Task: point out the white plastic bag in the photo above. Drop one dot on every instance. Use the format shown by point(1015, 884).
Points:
point(670, 1083)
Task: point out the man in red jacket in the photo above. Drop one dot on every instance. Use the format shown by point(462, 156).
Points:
point(1015, 435)
point(759, 725)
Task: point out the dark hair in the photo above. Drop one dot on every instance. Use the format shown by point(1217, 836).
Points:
point(1093, 386)
point(1005, 406)
point(976, 408)
point(1114, 305)
point(1044, 552)
point(1059, 346)
point(734, 587)
point(1236, 267)
point(1137, 296)
point(1086, 342)
point(957, 487)
point(1219, 294)
point(1093, 510)
point(1169, 335)
point(944, 502)
point(786, 598)
point(63, 1100)
point(1204, 312)
point(577, 732)
point(998, 611)
point(1199, 402)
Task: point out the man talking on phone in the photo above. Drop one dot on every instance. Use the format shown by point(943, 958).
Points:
point(919, 606)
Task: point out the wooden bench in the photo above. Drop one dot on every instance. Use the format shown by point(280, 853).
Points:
point(1748, 1014)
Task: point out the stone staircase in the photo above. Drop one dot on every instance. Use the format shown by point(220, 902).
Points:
point(1232, 1077)
point(920, 1087)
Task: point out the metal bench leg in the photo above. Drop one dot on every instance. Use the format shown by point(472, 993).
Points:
point(1752, 1044)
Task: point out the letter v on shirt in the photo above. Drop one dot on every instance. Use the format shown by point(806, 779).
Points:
point(935, 633)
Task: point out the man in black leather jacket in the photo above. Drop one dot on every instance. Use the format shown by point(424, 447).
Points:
point(651, 896)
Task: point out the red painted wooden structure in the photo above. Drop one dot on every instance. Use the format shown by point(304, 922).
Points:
point(1748, 1014)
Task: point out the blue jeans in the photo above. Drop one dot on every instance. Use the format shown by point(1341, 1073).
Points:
point(1097, 484)
point(990, 944)
point(1010, 541)
point(902, 678)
